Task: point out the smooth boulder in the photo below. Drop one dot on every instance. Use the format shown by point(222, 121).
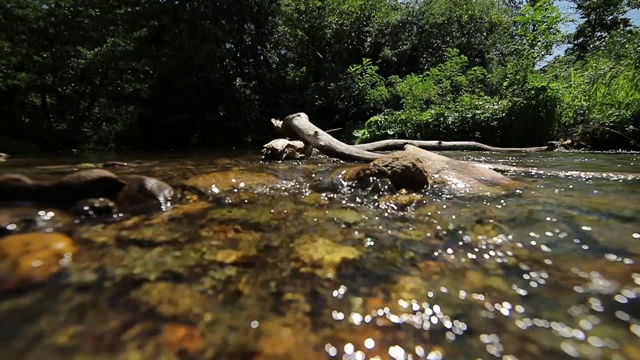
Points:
point(143, 194)
point(68, 190)
point(30, 258)
point(414, 169)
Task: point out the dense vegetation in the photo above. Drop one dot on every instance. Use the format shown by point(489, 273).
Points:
point(143, 74)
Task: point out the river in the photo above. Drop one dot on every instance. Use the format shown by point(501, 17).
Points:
point(547, 271)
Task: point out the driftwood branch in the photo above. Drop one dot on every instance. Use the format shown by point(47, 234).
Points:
point(297, 126)
point(386, 145)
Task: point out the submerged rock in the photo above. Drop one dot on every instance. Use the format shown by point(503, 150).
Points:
point(322, 256)
point(95, 208)
point(182, 338)
point(14, 186)
point(143, 193)
point(91, 190)
point(222, 181)
point(400, 201)
point(172, 300)
point(69, 189)
point(230, 256)
point(16, 219)
point(340, 215)
point(288, 337)
point(415, 169)
point(30, 258)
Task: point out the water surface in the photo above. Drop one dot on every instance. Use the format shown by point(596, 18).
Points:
point(294, 271)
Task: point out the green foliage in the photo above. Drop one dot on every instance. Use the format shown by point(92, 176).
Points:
point(89, 74)
point(513, 102)
point(600, 96)
point(457, 101)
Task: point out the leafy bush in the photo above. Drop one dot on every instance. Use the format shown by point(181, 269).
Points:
point(599, 97)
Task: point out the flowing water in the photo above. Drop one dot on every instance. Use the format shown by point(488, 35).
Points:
point(295, 271)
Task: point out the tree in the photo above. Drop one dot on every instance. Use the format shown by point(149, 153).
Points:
point(600, 19)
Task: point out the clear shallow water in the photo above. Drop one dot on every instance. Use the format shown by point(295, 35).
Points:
point(549, 271)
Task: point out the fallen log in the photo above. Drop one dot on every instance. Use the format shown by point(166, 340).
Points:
point(298, 127)
point(397, 144)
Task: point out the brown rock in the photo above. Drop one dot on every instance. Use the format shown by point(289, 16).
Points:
point(220, 181)
point(414, 169)
point(172, 300)
point(15, 186)
point(180, 210)
point(322, 256)
point(183, 338)
point(431, 269)
point(68, 190)
point(143, 193)
point(86, 184)
point(30, 258)
point(288, 337)
point(400, 201)
point(228, 231)
point(229, 256)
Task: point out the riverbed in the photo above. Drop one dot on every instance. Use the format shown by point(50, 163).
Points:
point(300, 270)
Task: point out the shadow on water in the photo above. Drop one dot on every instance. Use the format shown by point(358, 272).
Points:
point(549, 271)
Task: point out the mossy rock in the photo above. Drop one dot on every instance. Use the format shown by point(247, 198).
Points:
point(322, 256)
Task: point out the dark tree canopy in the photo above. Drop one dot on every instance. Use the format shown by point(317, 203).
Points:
point(138, 74)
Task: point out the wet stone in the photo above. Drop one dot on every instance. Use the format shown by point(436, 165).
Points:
point(17, 219)
point(288, 337)
point(322, 256)
point(231, 256)
point(400, 201)
point(172, 300)
point(155, 234)
point(340, 215)
point(30, 258)
point(224, 232)
point(181, 338)
point(86, 184)
point(145, 194)
point(223, 181)
point(138, 262)
point(96, 208)
point(258, 215)
point(113, 164)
